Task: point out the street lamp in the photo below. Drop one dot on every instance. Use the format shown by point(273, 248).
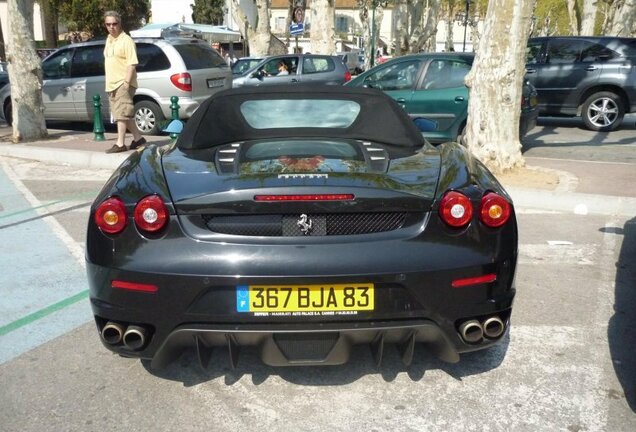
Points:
point(374, 4)
point(462, 19)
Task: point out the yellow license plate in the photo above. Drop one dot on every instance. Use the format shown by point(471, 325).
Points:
point(305, 298)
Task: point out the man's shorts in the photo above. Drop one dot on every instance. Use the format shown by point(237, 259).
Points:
point(121, 103)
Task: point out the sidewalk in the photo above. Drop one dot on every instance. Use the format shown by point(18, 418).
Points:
point(579, 187)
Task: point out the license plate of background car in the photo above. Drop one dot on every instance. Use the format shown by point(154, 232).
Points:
point(219, 82)
point(305, 298)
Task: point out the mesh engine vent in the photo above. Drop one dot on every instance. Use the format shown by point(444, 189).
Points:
point(290, 225)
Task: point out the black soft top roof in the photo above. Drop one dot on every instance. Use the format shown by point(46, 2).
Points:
point(219, 119)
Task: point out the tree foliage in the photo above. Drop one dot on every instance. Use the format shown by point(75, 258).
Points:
point(208, 11)
point(87, 15)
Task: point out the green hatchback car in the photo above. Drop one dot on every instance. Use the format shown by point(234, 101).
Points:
point(431, 85)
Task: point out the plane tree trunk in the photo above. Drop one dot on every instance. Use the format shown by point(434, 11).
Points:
point(495, 85)
point(26, 92)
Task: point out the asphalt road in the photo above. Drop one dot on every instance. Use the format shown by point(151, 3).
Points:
point(568, 364)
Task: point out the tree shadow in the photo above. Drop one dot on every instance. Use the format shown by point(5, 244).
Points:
point(188, 371)
point(621, 330)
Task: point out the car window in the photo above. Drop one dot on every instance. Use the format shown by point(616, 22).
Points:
point(299, 113)
point(151, 58)
point(445, 73)
point(271, 66)
point(58, 65)
point(595, 52)
point(313, 65)
point(570, 51)
point(243, 65)
point(396, 76)
point(533, 50)
point(199, 56)
point(88, 61)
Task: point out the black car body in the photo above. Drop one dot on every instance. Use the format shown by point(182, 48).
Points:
point(586, 76)
point(301, 235)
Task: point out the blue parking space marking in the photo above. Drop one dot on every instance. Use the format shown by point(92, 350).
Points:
point(40, 280)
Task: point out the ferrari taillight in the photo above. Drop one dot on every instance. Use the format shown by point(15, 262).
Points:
point(110, 216)
point(347, 76)
point(151, 214)
point(182, 81)
point(495, 210)
point(455, 209)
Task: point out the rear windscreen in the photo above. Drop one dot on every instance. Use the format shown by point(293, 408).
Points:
point(300, 113)
point(200, 56)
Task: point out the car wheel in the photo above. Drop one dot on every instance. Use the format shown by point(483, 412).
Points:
point(8, 113)
point(148, 117)
point(603, 111)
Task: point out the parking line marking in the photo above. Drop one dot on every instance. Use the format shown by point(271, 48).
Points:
point(43, 312)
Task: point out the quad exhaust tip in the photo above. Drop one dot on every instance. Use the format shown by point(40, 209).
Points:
point(134, 337)
point(493, 327)
point(473, 331)
point(112, 333)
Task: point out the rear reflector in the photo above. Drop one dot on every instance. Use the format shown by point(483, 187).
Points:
point(487, 278)
point(133, 286)
point(313, 197)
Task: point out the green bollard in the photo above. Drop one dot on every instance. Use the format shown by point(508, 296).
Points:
point(98, 123)
point(175, 113)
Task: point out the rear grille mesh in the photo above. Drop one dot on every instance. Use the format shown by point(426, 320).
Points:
point(291, 225)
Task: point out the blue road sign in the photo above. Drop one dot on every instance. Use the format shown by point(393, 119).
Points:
point(296, 29)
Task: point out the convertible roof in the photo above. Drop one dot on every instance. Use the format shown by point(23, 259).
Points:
point(219, 119)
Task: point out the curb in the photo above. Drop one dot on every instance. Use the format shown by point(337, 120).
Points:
point(78, 158)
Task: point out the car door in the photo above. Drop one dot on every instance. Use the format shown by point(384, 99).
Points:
point(561, 72)
point(87, 72)
point(270, 74)
point(397, 79)
point(441, 95)
point(322, 70)
point(57, 93)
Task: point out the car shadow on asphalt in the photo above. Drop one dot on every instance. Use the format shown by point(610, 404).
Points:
point(188, 371)
point(547, 127)
point(621, 330)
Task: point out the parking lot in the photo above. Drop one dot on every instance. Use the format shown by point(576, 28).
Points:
point(568, 363)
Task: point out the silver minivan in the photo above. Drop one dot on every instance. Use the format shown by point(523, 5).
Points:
point(187, 68)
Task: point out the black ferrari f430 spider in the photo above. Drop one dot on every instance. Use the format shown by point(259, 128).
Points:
point(301, 221)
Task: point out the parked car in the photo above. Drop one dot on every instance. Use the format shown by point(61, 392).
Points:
point(431, 85)
point(242, 65)
point(590, 77)
point(303, 68)
point(187, 68)
point(308, 219)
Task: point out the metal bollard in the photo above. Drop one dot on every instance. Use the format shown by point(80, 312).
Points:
point(98, 123)
point(174, 107)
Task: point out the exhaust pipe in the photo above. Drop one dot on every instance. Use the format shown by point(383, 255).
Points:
point(471, 331)
point(493, 327)
point(135, 337)
point(112, 333)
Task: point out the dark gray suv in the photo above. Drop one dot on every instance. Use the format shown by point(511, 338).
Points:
point(590, 77)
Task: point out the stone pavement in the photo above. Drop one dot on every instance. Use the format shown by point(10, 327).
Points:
point(583, 187)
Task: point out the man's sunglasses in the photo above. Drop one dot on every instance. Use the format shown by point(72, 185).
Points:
point(112, 24)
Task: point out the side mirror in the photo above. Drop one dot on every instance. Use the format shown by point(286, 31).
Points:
point(425, 125)
point(258, 74)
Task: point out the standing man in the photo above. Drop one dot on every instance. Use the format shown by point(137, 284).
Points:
point(120, 64)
